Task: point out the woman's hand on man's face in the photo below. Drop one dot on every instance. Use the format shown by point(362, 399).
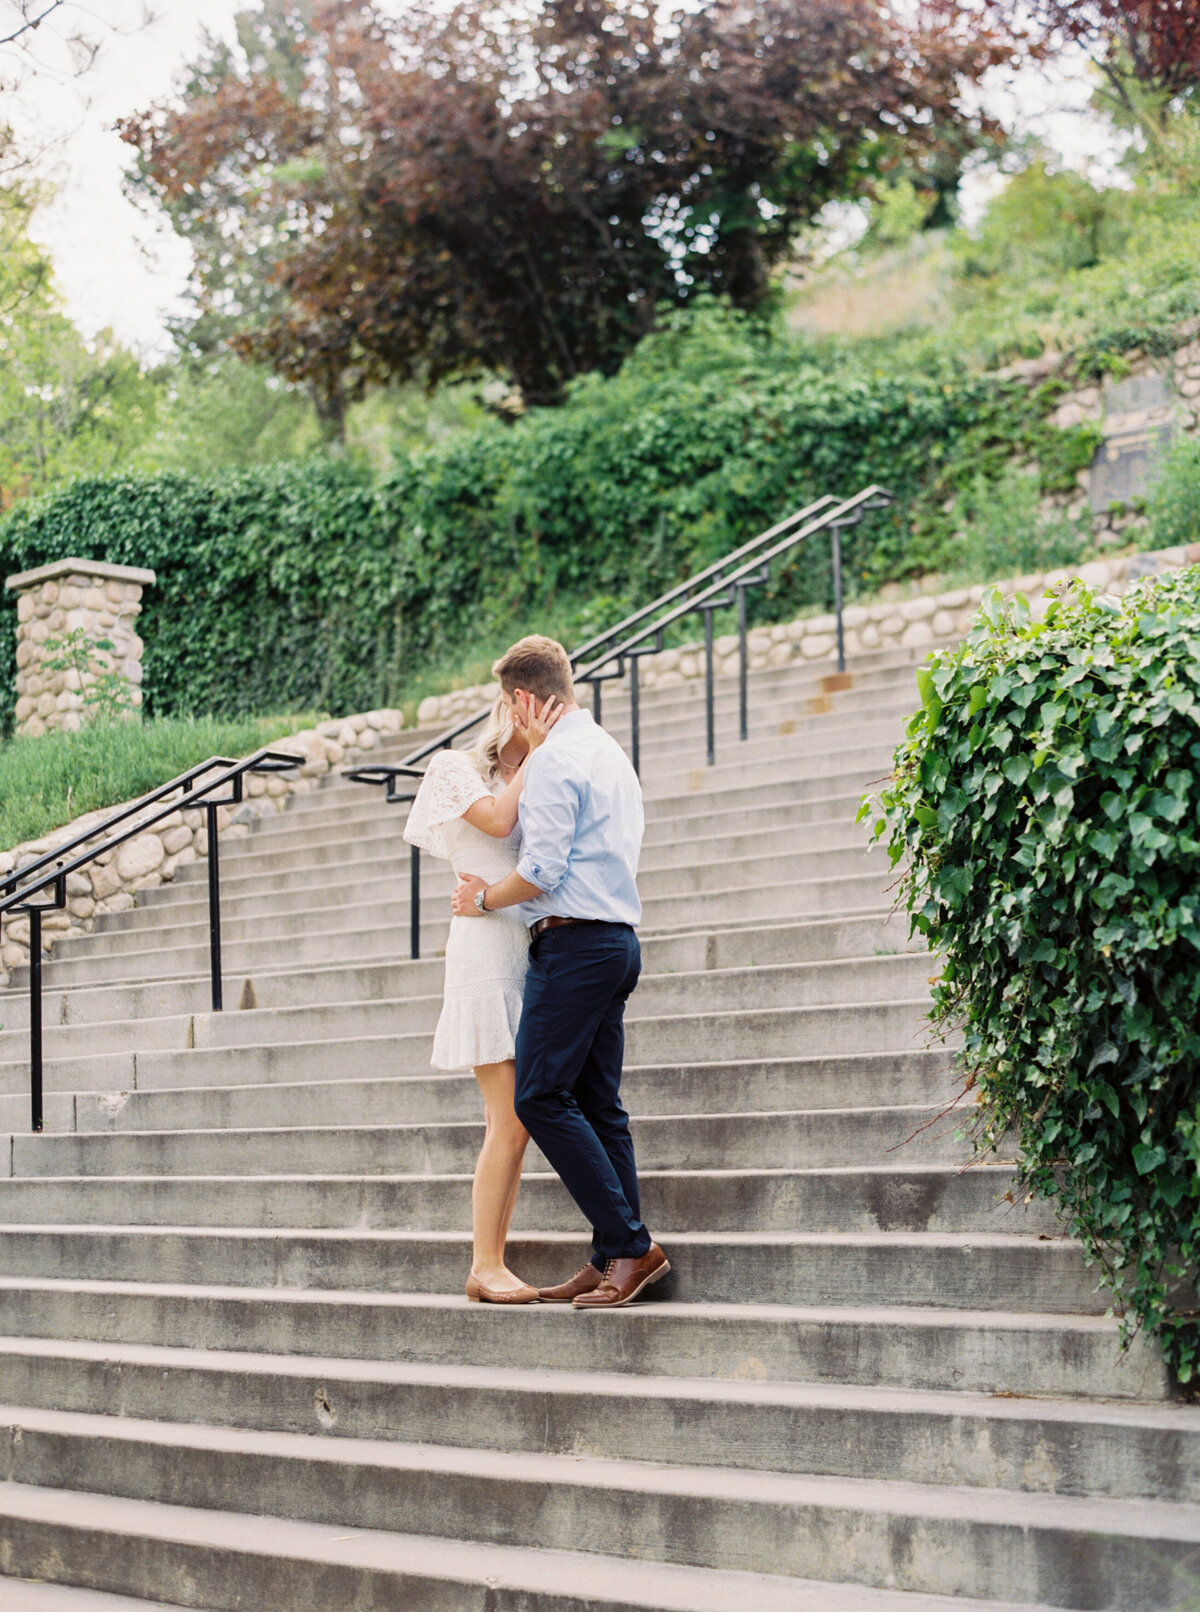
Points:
point(534, 724)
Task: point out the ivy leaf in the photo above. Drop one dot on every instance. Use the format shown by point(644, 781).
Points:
point(1147, 1158)
point(1106, 1052)
point(1108, 1097)
point(1016, 769)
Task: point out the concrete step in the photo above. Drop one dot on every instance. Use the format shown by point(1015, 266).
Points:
point(103, 1083)
point(868, 931)
point(22, 1595)
point(393, 974)
point(165, 951)
point(367, 814)
point(958, 1540)
point(310, 899)
point(995, 1352)
point(234, 1560)
point(909, 1078)
point(849, 1198)
point(358, 1046)
point(843, 886)
point(312, 1001)
point(972, 1271)
point(839, 771)
point(263, 870)
point(1035, 1446)
point(780, 1140)
point(787, 712)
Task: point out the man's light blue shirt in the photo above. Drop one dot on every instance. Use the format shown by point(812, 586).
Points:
point(581, 826)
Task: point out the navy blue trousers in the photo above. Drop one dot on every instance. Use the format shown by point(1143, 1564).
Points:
point(568, 1092)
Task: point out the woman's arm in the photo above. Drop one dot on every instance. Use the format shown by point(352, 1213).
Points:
point(498, 816)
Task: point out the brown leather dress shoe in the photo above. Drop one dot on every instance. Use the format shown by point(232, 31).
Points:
point(583, 1281)
point(624, 1279)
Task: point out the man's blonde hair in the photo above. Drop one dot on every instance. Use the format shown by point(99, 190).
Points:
point(539, 665)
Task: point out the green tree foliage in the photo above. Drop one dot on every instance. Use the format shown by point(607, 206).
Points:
point(1004, 531)
point(317, 584)
point(1173, 505)
point(1044, 808)
point(65, 407)
point(217, 412)
point(1043, 224)
point(517, 190)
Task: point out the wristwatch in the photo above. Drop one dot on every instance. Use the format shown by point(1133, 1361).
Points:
point(479, 899)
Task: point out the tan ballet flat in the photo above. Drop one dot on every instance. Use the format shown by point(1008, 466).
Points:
point(478, 1294)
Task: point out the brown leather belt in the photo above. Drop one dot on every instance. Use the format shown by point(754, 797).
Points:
point(555, 922)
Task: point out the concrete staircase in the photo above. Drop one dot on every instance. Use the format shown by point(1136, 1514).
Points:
point(236, 1367)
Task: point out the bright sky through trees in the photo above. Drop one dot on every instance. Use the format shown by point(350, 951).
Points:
point(122, 268)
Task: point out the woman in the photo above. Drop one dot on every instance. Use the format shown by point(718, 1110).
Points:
point(466, 812)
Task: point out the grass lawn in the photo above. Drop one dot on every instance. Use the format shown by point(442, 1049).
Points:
point(48, 781)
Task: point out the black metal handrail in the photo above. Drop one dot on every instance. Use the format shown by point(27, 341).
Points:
point(725, 582)
point(380, 774)
point(51, 870)
point(730, 587)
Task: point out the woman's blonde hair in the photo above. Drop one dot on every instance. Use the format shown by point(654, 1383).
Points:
point(496, 733)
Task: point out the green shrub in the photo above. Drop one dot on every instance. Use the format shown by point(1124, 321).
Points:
point(313, 583)
point(1173, 502)
point(1045, 805)
point(48, 781)
point(1005, 532)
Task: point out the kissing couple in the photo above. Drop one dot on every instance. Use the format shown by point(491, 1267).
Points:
point(542, 822)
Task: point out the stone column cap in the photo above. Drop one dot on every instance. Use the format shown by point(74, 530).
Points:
point(91, 568)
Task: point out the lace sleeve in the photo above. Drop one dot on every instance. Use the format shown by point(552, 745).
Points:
point(450, 785)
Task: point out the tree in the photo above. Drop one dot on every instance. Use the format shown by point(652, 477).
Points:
point(480, 189)
point(1153, 45)
point(65, 407)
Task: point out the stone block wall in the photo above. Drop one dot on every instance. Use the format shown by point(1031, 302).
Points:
point(111, 883)
point(104, 601)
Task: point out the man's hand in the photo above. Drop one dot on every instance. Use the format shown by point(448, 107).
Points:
point(462, 902)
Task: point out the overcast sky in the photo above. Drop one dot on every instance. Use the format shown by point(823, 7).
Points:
point(119, 268)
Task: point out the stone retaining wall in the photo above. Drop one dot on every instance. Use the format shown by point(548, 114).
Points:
point(110, 883)
point(894, 621)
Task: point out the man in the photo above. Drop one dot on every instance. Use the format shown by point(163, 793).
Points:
point(581, 821)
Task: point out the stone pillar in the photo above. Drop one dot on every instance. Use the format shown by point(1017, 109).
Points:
point(102, 600)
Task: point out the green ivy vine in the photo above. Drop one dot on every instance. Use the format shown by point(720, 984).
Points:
point(1045, 808)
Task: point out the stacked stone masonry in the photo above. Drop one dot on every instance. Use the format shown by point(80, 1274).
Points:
point(110, 884)
point(893, 621)
point(104, 602)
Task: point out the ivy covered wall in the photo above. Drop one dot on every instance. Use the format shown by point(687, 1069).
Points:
point(314, 584)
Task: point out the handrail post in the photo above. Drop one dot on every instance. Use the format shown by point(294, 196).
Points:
point(214, 907)
point(414, 916)
point(709, 711)
point(635, 716)
point(35, 1019)
point(836, 543)
point(596, 704)
point(743, 666)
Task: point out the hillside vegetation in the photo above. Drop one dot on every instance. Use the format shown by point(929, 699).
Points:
point(339, 582)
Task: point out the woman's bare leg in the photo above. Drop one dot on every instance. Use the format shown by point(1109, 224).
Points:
point(497, 1175)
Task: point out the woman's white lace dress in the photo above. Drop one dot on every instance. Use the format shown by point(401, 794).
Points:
point(486, 958)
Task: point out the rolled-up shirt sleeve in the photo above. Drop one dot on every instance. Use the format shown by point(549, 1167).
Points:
point(549, 809)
